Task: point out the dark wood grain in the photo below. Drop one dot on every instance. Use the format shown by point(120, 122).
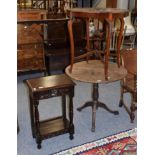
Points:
point(44, 88)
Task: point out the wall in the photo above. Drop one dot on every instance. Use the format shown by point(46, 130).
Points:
point(99, 3)
point(122, 4)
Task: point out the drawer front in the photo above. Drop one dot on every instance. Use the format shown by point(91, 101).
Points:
point(30, 57)
point(30, 50)
point(29, 34)
point(45, 94)
point(30, 64)
point(28, 15)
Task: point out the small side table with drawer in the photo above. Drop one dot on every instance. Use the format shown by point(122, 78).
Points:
point(44, 88)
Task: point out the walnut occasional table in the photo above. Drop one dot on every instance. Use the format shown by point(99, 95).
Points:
point(93, 72)
point(107, 15)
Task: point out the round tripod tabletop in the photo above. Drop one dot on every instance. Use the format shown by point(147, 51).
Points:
point(93, 72)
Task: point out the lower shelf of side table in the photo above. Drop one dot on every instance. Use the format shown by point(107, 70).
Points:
point(53, 127)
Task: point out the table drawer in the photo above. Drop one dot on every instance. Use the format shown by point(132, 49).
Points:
point(30, 50)
point(29, 34)
point(24, 15)
point(30, 64)
point(30, 57)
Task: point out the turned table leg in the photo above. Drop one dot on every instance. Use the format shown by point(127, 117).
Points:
point(71, 125)
point(32, 117)
point(64, 109)
point(95, 100)
point(95, 104)
point(37, 124)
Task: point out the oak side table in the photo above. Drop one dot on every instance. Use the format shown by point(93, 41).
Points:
point(44, 88)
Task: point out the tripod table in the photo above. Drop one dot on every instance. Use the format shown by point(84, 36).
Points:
point(93, 72)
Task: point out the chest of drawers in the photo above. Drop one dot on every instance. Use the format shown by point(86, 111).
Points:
point(30, 49)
